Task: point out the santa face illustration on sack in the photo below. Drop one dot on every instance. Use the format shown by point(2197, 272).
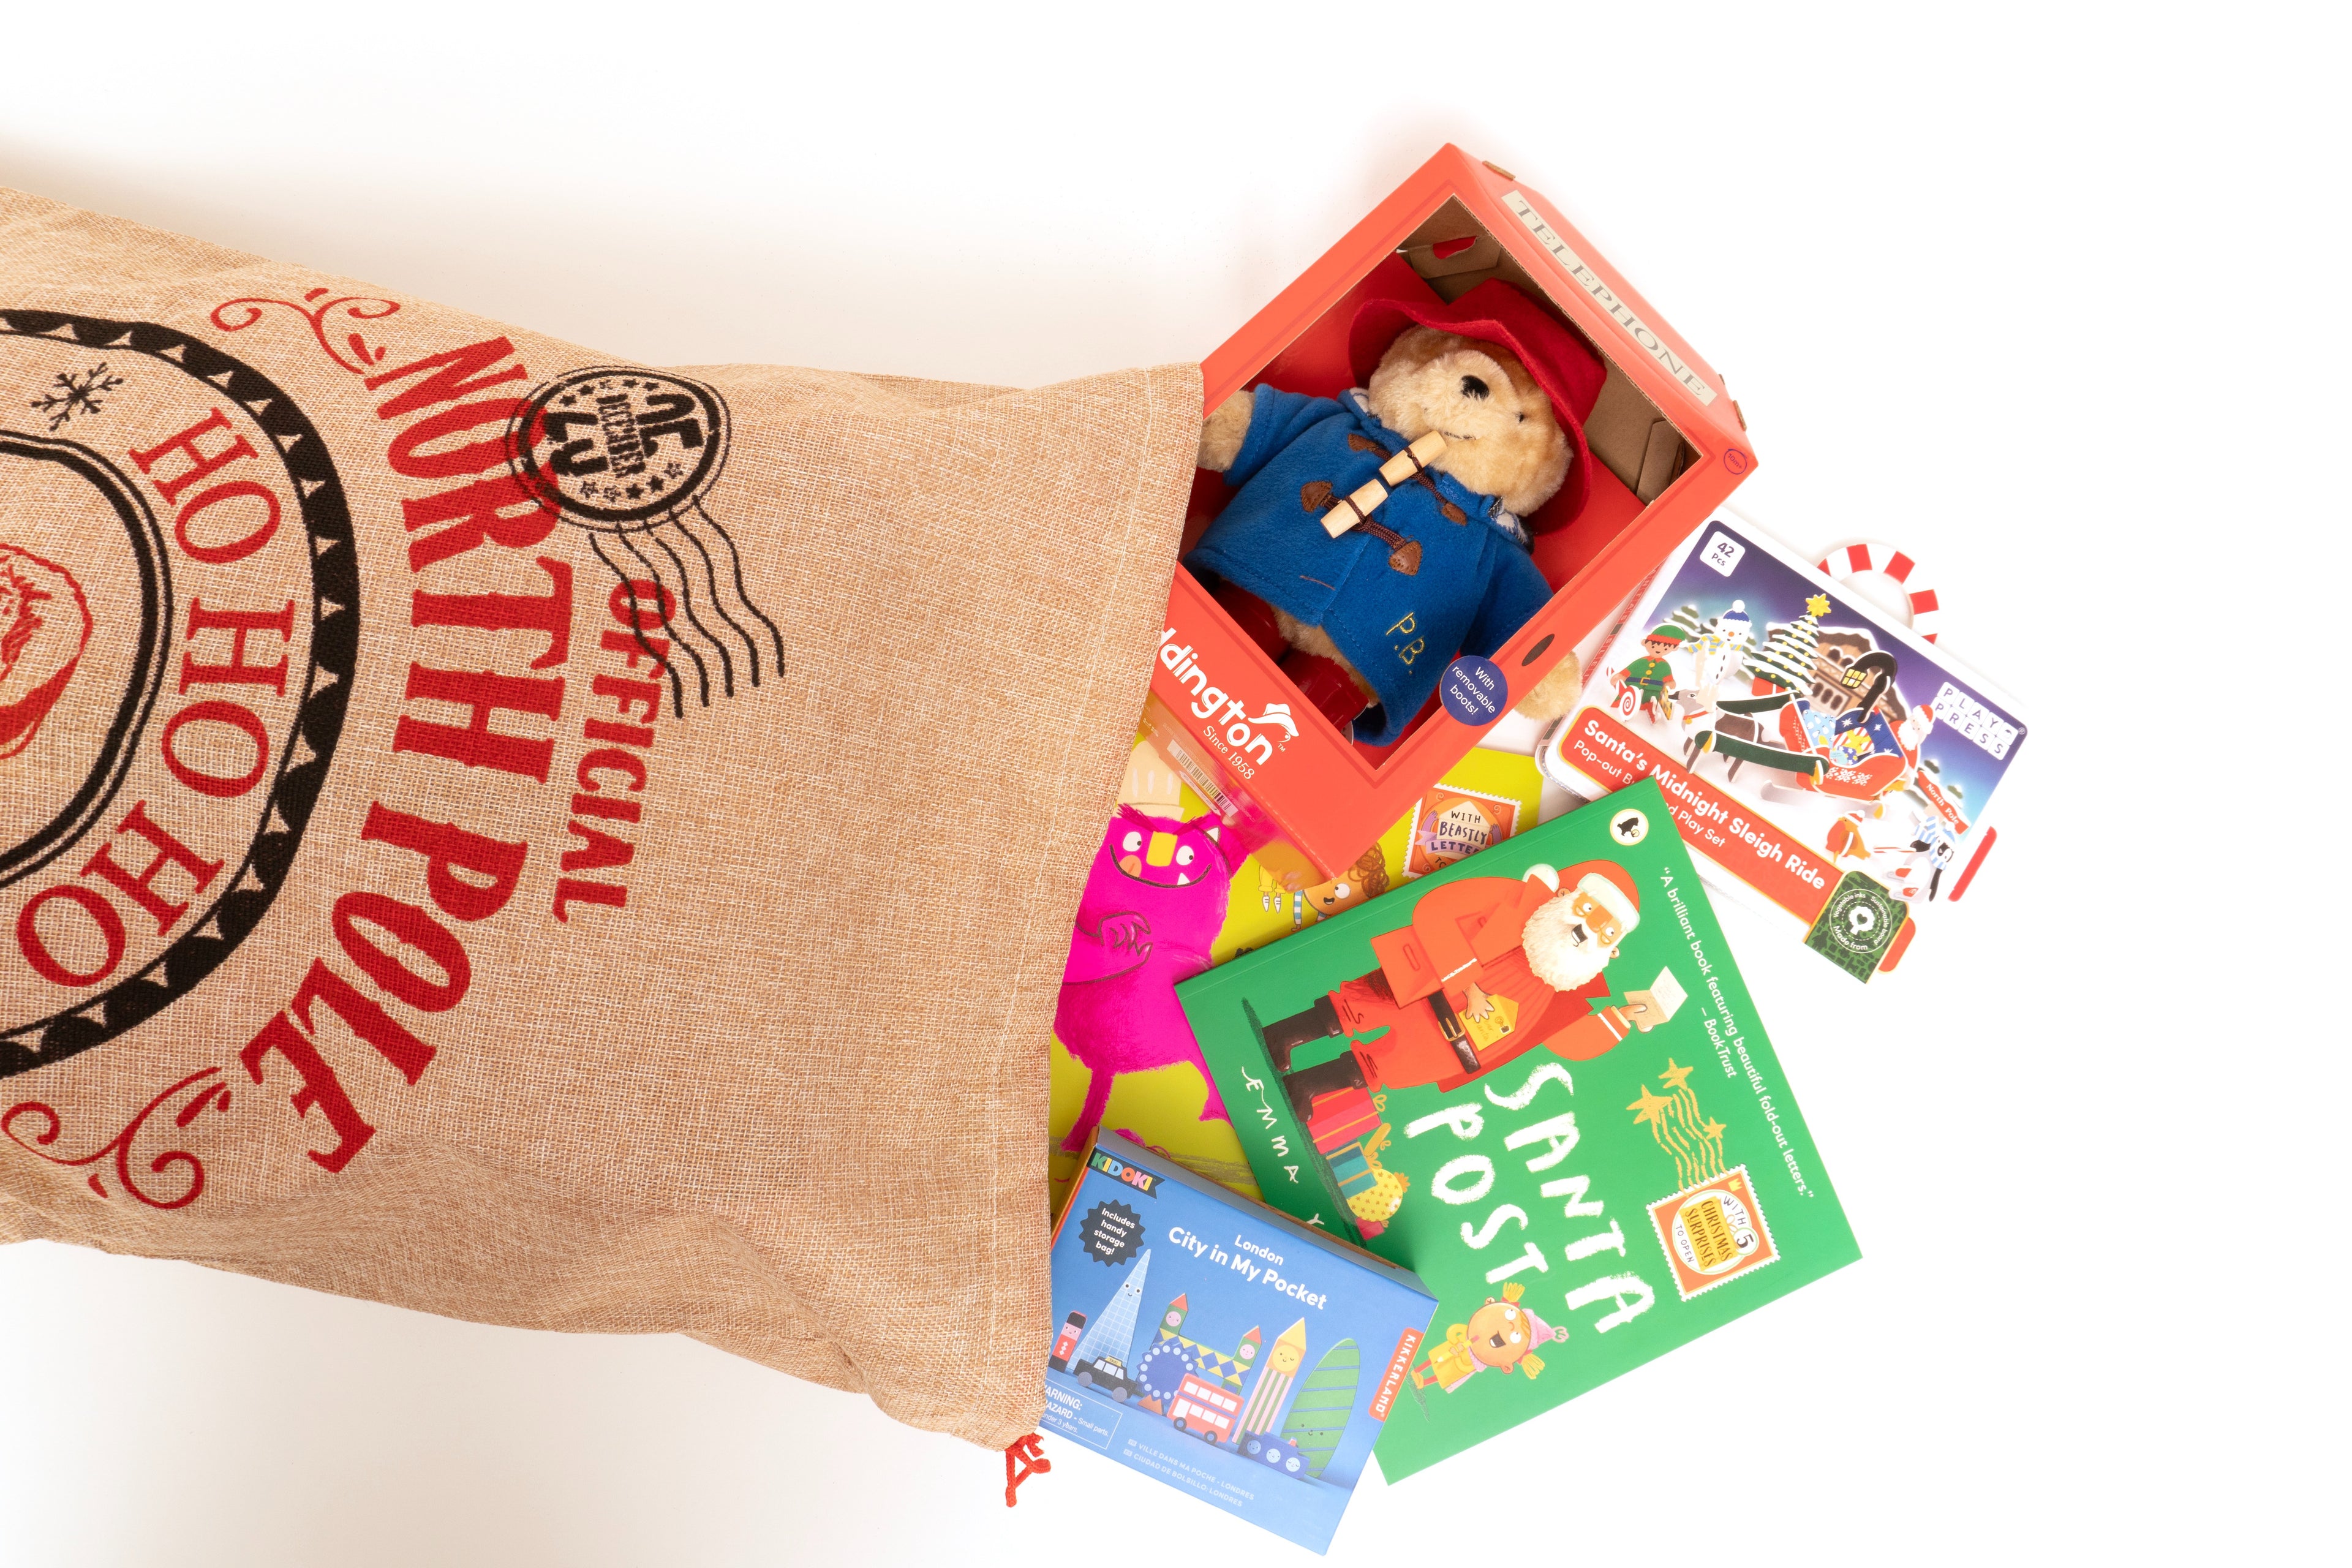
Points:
point(45, 624)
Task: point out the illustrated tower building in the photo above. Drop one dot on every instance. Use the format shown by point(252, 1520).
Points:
point(1171, 1321)
point(1112, 1335)
point(1273, 1390)
point(1326, 1399)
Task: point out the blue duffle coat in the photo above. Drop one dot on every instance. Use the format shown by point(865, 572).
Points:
point(1439, 570)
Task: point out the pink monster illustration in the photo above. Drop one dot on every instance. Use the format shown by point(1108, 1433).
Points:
point(1153, 905)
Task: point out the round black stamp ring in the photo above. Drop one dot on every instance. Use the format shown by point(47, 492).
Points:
point(617, 446)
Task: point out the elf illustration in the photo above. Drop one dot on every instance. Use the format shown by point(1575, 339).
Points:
point(1500, 1335)
point(1651, 678)
point(1489, 969)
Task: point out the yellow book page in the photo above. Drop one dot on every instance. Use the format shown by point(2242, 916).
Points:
point(1160, 1108)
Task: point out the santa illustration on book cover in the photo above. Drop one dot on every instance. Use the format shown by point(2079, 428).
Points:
point(1536, 1079)
point(1489, 968)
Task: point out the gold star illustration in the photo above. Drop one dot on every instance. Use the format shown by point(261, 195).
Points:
point(1673, 1077)
point(1649, 1105)
point(1818, 605)
point(1712, 1129)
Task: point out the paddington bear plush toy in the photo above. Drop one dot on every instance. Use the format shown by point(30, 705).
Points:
point(1377, 534)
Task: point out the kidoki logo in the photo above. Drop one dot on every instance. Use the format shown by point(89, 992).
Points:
point(1256, 734)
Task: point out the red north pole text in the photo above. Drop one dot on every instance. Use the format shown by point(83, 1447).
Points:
point(454, 412)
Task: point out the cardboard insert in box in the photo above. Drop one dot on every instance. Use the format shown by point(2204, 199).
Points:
point(1667, 443)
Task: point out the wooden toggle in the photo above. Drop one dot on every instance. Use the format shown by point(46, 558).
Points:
point(1353, 510)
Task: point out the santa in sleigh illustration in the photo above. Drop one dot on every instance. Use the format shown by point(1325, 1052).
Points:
point(1828, 718)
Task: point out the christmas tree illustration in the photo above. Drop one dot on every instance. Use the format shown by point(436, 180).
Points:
point(1786, 659)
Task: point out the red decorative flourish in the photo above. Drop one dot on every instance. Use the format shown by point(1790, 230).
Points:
point(1023, 1457)
point(362, 357)
point(213, 1095)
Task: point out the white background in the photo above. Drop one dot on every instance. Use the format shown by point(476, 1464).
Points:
point(2053, 297)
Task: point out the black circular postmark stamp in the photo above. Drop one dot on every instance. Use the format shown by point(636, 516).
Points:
point(631, 457)
point(614, 446)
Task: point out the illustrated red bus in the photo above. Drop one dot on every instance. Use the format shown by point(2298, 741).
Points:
point(1207, 1410)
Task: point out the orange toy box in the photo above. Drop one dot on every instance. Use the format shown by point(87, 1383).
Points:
point(1666, 445)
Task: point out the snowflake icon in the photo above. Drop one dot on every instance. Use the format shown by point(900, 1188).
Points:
point(76, 395)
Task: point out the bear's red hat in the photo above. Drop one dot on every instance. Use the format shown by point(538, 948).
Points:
point(1495, 312)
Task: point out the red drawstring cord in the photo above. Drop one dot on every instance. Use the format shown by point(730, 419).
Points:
point(1029, 1455)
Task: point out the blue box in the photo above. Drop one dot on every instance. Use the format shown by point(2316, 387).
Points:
point(1220, 1347)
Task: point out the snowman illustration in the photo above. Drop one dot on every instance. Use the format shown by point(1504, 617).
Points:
point(1720, 648)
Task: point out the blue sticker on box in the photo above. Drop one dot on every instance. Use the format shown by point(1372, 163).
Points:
point(1474, 690)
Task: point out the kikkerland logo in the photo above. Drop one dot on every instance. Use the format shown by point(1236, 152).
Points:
point(1242, 728)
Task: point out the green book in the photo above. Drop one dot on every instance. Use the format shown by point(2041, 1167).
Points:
point(1535, 1079)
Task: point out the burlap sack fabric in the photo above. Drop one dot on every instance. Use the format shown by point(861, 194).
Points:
point(542, 841)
